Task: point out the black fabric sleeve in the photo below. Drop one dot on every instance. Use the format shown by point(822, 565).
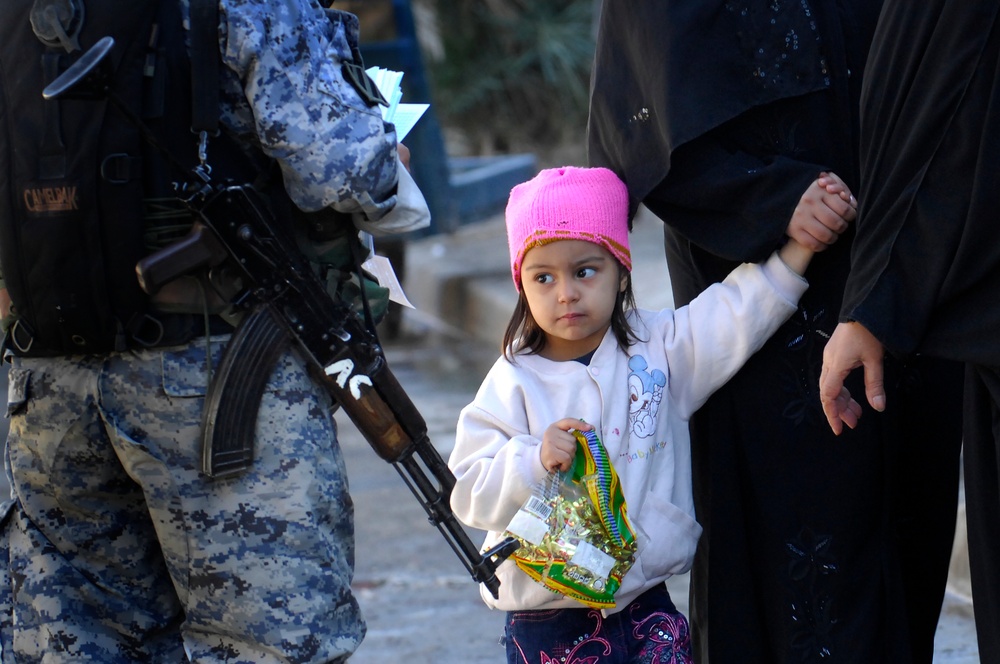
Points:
point(925, 265)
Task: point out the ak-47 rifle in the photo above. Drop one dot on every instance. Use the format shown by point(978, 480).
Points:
point(286, 303)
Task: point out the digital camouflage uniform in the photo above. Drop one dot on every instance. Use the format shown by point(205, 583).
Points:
point(120, 550)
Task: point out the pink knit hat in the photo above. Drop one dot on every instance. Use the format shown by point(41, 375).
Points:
point(568, 203)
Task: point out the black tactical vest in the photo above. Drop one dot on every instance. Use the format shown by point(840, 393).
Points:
point(74, 174)
point(71, 178)
point(77, 180)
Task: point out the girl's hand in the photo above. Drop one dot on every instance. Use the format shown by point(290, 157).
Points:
point(825, 210)
point(559, 445)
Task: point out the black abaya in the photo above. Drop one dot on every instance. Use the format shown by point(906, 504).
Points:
point(925, 270)
point(816, 548)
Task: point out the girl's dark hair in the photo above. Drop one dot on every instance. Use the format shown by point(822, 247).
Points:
point(523, 333)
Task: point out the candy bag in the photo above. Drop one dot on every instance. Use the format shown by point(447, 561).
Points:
point(574, 533)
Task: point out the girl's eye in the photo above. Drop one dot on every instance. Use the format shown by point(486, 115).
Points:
point(543, 278)
point(585, 272)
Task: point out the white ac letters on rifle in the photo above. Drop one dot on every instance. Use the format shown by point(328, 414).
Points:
point(341, 372)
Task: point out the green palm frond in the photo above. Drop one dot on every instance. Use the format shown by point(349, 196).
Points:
point(516, 71)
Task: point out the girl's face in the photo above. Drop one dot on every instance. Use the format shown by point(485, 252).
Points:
point(571, 287)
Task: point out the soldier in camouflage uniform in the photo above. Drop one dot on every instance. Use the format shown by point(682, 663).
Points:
point(119, 549)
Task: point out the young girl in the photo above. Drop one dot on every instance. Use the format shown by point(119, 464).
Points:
point(578, 355)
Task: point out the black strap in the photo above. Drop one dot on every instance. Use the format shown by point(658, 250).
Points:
point(52, 162)
point(205, 66)
point(357, 260)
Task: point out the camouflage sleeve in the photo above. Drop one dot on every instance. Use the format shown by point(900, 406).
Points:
point(287, 90)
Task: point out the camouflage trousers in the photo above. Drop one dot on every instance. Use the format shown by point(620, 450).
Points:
point(120, 550)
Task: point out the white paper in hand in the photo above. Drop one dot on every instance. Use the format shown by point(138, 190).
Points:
point(403, 116)
point(380, 268)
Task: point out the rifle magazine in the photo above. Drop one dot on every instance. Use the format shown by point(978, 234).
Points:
point(229, 420)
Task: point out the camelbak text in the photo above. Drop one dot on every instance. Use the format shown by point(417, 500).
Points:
point(50, 199)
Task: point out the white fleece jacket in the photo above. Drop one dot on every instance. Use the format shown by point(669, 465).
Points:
point(639, 404)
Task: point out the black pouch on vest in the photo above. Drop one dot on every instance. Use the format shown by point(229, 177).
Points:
point(71, 185)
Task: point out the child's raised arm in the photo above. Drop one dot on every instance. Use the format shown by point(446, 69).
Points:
point(824, 212)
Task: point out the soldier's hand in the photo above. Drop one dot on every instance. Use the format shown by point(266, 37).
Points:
point(5, 303)
point(404, 155)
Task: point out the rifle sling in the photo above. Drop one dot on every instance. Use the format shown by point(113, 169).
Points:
point(205, 66)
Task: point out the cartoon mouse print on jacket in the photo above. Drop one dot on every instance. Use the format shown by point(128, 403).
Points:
point(645, 392)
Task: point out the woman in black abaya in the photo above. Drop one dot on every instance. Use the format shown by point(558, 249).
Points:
point(925, 268)
point(718, 115)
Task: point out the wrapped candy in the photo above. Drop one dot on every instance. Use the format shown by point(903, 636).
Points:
point(574, 533)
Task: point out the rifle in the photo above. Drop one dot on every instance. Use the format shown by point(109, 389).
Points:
point(286, 303)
